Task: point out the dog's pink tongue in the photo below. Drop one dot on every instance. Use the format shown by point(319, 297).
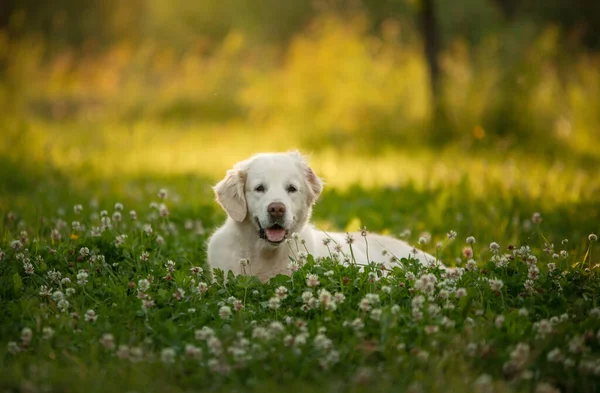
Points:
point(275, 235)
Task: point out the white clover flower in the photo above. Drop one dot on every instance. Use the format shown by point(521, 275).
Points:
point(58, 296)
point(163, 210)
point(460, 292)
point(593, 237)
point(281, 292)
point(63, 305)
point(47, 333)
point(376, 314)
point(470, 240)
point(293, 266)
point(163, 194)
point(90, 316)
point(117, 217)
point(225, 312)
point(167, 355)
point(107, 340)
point(451, 235)
point(312, 280)
point(499, 321)
point(536, 218)
point(70, 291)
point(28, 267)
point(523, 312)
point(274, 303)
point(496, 285)
point(77, 209)
point(143, 285)
point(16, 244)
point(82, 277)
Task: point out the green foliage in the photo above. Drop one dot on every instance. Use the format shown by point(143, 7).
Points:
point(414, 327)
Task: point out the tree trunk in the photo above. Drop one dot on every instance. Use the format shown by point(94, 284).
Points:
point(429, 29)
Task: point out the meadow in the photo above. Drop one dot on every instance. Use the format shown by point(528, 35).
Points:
point(106, 168)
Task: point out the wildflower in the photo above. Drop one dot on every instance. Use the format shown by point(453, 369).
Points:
point(543, 327)
point(422, 240)
point(82, 277)
point(197, 270)
point(523, 312)
point(376, 314)
point(225, 312)
point(70, 291)
point(167, 355)
point(467, 252)
point(77, 209)
point(63, 305)
point(533, 273)
point(160, 240)
point(593, 237)
point(451, 235)
point(145, 256)
point(202, 287)
point(47, 333)
point(162, 193)
point(460, 292)
point(143, 285)
point(16, 244)
point(470, 240)
point(274, 303)
point(483, 384)
point(326, 299)
point(192, 351)
point(499, 321)
point(163, 210)
point(58, 296)
point(555, 356)
point(576, 344)
point(363, 231)
point(26, 336)
point(120, 240)
point(281, 292)
point(431, 329)
point(564, 254)
point(536, 218)
point(312, 280)
point(90, 316)
point(13, 347)
point(133, 215)
point(170, 265)
point(471, 265)
point(148, 229)
point(349, 238)
point(28, 267)
point(386, 289)
point(338, 297)
point(107, 340)
point(293, 266)
point(494, 247)
point(179, 294)
point(551, 267)
point(496, 285)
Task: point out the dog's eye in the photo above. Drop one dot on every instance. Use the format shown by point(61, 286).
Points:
point(291, 188)
point(260, 188)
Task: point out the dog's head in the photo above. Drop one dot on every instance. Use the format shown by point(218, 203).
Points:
point(274, 191)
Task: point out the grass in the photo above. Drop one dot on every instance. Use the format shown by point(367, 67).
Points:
point(116, 127)
point(458, 344)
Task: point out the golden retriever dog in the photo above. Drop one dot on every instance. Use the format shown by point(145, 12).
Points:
point(268, 199)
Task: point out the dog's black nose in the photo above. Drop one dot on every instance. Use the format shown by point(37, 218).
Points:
point(276, 209)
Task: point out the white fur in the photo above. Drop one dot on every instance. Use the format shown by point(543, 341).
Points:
point(239, 237)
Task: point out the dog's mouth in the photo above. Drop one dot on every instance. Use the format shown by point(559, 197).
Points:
point(275, 234)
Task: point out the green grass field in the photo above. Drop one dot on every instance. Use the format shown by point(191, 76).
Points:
point(94, 298)
point(91, 301)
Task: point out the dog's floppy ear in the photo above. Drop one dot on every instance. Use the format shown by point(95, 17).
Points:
point(315, 184)
point(229, 192)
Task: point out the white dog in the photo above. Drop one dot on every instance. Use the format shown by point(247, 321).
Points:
point(268, 198)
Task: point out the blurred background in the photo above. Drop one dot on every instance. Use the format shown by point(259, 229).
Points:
point(488, 96)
